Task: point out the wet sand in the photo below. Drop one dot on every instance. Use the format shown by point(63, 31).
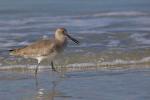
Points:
point(132, 84)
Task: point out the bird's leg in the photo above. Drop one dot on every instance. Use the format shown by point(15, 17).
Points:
point(37, 67)
point(53, 68)
point(36, 70)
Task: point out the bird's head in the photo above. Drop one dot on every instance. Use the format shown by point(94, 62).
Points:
point(62, 34)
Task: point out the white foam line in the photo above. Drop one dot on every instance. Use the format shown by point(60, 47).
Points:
point(82, 65)
point(43, 67)
point(123, 62)
point(130, 13)
point(22, 66)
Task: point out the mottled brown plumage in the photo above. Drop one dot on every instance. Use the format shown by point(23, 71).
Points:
point(46, 48)
point(37, 49)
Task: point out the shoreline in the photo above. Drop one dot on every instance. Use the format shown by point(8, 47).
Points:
point(75, 67)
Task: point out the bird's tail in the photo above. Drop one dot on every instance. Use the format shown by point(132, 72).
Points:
point(13, 52)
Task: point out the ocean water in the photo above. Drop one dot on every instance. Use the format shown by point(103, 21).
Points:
point(111, 33)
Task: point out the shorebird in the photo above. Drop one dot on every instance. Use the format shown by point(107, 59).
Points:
point(45, 48)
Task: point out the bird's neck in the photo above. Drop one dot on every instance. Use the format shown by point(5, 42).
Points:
point(61, 42)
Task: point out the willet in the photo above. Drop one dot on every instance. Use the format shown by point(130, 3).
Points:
point(45, 48)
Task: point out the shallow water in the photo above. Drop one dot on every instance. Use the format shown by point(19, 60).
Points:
point(105, 85)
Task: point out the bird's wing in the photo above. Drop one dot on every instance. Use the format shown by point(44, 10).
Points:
point(39, 48)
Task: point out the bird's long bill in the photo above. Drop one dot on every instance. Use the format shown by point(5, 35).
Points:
point(73, 39)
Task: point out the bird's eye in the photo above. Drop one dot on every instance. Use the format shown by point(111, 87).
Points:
point(64, 31)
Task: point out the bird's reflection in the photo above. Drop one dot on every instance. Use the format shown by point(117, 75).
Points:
point(42, 94)
point(48, 94)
